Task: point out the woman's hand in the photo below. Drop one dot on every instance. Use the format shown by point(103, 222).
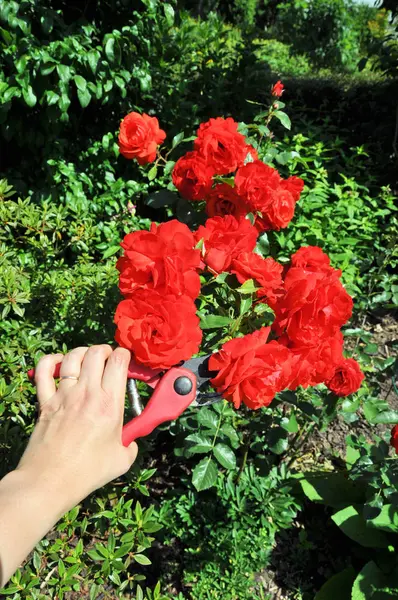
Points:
point(75, 447)
point(76, 444)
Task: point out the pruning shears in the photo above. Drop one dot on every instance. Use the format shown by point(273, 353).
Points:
point(175, 390)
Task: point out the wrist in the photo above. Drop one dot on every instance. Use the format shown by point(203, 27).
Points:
point(42, 491)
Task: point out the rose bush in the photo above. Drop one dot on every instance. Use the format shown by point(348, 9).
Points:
point(163, 271)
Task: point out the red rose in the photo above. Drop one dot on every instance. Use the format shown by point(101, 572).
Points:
point(147, 325)
point(254, 182)
point(347, 378)
point(314, 306)
point(278, 89)
point(139, 137)
point(311, 258)
point(278, 213)
point(250, 370)
point(265, 271)
point(294, 185)
point(192, 176)
point(223, 200)
point(163, 258)
point(394, 438)
point(224, 239)
point(316, 364)
point(221, 145)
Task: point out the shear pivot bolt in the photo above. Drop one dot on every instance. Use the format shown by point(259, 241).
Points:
point(183, 385)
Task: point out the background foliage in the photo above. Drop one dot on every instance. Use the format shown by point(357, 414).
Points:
point(69, 73)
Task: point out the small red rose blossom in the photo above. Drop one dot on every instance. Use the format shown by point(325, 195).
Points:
point(255, 182)
point(221, 145)
point(311, 258)
point(224, 238)
point(278, 89)
point(394, 438)
point(279, 213)
point(294, 185)
point(250, 370)
point(224, 200)
point(139, 137)
point(147, 325)
point(313, 307)
point(265, 271)
point(193, 176)
point(163, 258)
point(347, 378)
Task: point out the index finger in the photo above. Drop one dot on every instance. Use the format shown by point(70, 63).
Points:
point(114, 379)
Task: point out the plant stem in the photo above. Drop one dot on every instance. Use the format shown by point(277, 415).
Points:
point(244, 461)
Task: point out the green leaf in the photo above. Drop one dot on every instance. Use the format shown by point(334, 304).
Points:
point(152, 173)
point(386, 417)
point(110, 49)
point(204, 475)
point(332, 489)
point(387, 520)
point(63, 73)
point(139, 595)
point(225, 456)
point(94, 555)
point(169, 167)
point(64, 103)
point(29, 96)
point(221, 277)
point(231, 434)
point(11, 590)
point(354, 526)
point(207, 418)
point(338, 586)
point(169, 14)
point(36, 561)
point(277, 440)
point(80, 82)
point(249, 287)
point(290, 424)
point(93, 57)
point(369, 581)
point(372, 407)
point(142, 559)
point(202, 443)
point(177, 139)
point(110, 251)
point(283, 118)
point(214, 321)
point(245, 305)
point(84, 98)
point(21, 63)
point(161, 198)
point(351, 456)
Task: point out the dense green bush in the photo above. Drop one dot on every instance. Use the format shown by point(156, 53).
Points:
point(330, 32)
point(280, 58)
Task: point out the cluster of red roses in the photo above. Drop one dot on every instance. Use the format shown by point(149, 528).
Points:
point(159, 273)
point(159, 277)
point(220, 149)
point(310, 306)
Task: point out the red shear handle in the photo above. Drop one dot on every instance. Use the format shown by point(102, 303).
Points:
point(166, 404)
point(135, 371)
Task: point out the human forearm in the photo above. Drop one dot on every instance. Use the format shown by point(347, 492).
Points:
point(76, 447)
point(29, 508)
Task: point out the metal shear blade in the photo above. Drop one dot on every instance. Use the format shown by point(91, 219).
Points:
point(200, 367)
